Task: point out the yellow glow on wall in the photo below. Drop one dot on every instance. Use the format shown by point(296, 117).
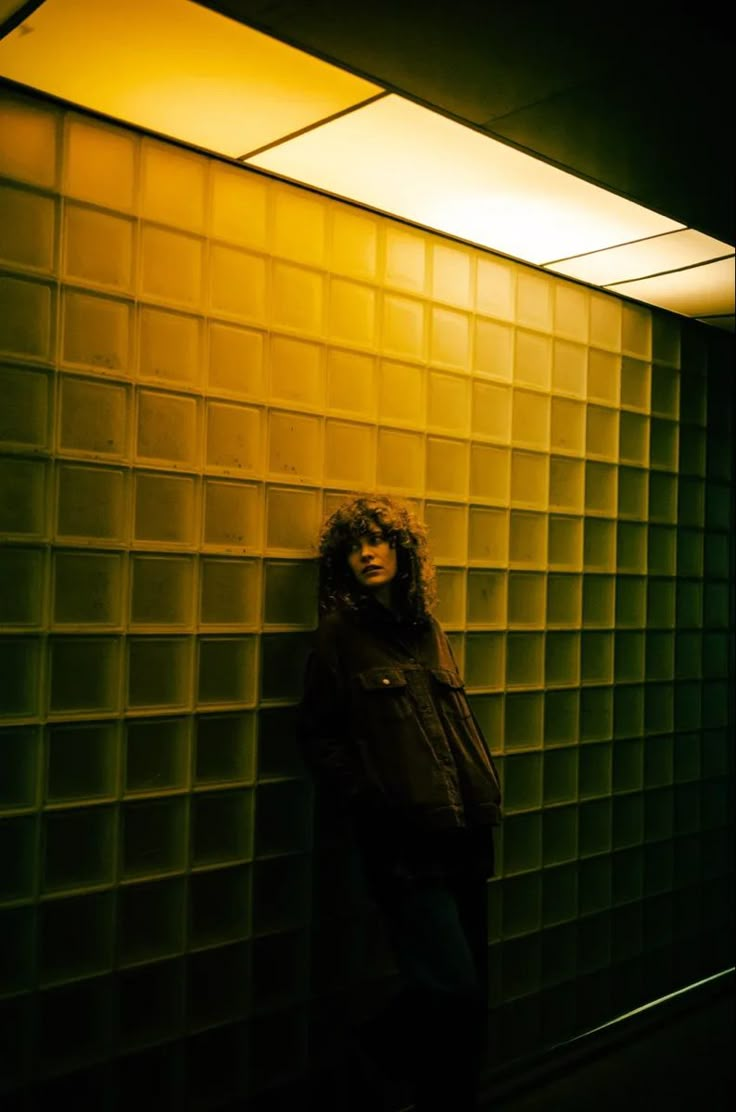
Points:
point(647, 257)
point(176, 68)
point(699, 291)
point(410, 162)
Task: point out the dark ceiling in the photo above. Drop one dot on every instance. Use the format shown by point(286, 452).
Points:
point(635, 97)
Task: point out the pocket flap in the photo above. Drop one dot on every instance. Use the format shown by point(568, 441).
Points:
point(447, 678)
point(382, 679)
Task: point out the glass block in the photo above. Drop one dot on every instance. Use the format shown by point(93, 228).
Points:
point(449, 339)
point(350, 454)
point(718, 506)
point(566, 484)
point(488, 709)
point(599, 544)
point(633, 493)
point(661, 603)
point(79, 848)
point(658, 868)
point(173, 185)
point(524, 660)
point(352, 313)
point(627, 888)
point(599, 600)
point(594, 885)
point(451, 274)
point(448, 402)
point(401, 393)
point(283, 659)
point(284, 818)
point(636, 378)
point(594, 827)
point(403, 327)
point(602, 433)
point(299, 225)
point(156, 754)
point(596, 714)
point(663, 444)
point(75, 937)
point(665, 392)
point(98, 247)
point(493, 350)
point(569, 368)
point(595, 770)
point(688, 710)
point(534, 300)
point(84, 675)
point(353, 243)
point(31, 156)
point(234, 438)
point(17, 931)
point(23, 497)
point(161, 590)
point(565, 543)
point(279, 756)
point(561, 713)
point(446, 525)
point(151, 1003)
point(523, 722)
point(688, 654)
point(491, 411)
point(19, 849)
point(22, 586)
point(446, 467)
point(564, 600)
point(27, 326)
point(171, 266)
point(660, 656)
point(560, 783)
point(75, 1026)
point(522, 844)
point(636, 332)
point(687, 757)
point(604, 374)
point(629, 656)
point(96, 332)
point(297, 296)
point(562, 659)
point(294, 445)
point(219, 906)
point(451, 598)
point(527, 539)
point(93, 417)
point(154, 838)
point(290, 593)
point(628, 715)
point(526, 599)
point(532, 359)
point(691, 503)
point(165, 508)
point(159, 672)
point(571, 311)
point(662, 497)
point(232, 514)
point(601, 483)
point(715, 704)
point(634, 439)
point(225, 748)
point(530, 419)
point(522, 905)
point(236, 360)
point(24, 419)
point(222, 827)
point(81, 762)
point(405, 259)
point(167, 429)
point(87, 588)
point(230, 592)
point(490, 473)
point(352, 383)
point(658, 708)
point(28, 233)
point(226, 670)
point(605, 321)
point(529, 479)
point(170, 346)
point(100, 163)
point(495, 287)
point(631, 547)
point(292, 519)
point(91, 504)
point(715, 655)
point(19, 761)
point(485, 661)
point(690, 552)
point(151, 920)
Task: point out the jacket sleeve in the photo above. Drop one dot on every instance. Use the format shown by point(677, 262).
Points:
point(323, 729)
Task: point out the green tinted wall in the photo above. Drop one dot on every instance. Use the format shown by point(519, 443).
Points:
point(196, 362)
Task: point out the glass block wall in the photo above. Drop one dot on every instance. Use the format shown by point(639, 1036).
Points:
point(196, 361)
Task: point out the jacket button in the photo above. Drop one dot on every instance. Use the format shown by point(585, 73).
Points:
point(385, 680)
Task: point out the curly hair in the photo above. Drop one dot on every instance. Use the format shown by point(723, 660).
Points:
point(415, 583)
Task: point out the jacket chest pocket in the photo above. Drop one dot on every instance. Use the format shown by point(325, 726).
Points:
point(451, 692)
point(384, 694)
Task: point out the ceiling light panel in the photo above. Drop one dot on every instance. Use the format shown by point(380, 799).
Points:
point(640, 260)
point(402, 159)
point(699, 291)
point(176, 68)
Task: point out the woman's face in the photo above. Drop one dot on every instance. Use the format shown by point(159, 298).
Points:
point(372, 560)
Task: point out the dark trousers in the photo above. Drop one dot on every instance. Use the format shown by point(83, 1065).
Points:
point(436, 1028)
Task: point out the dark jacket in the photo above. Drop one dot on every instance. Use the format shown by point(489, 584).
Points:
point(385, 722)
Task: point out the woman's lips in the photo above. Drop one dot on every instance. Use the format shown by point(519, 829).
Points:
point(372, 568)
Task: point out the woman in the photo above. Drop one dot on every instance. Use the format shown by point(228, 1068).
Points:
point(385, 725)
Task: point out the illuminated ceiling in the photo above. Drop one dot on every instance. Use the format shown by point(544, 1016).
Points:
point(201, 78)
